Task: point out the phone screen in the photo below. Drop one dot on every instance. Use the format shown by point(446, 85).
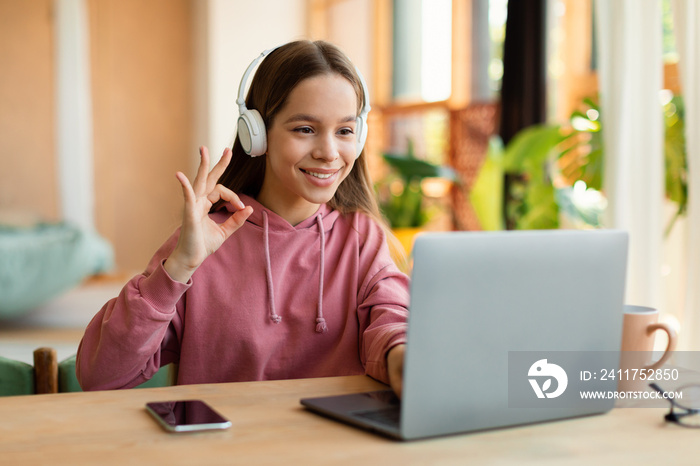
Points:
point(186, 416)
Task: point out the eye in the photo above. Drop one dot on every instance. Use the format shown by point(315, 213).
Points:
point(346, 132)
point(303, 130)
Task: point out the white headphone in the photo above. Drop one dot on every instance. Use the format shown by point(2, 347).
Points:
point(251, 127)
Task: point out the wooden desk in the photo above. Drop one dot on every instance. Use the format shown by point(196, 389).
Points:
point(271, 427)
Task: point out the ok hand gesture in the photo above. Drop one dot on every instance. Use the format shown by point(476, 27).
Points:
point(200, 236)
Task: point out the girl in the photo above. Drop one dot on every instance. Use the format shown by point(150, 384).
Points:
point(280, 268)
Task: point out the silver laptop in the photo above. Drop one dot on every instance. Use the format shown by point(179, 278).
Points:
point(495, 319)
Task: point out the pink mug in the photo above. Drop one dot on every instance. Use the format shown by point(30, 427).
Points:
point(639, 327)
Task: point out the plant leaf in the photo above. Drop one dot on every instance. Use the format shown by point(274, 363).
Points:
point(531, 147)
point(412, 168)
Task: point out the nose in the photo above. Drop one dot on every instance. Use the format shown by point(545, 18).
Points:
point(326, 148)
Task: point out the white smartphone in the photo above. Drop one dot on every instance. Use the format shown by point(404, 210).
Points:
point(187, 416)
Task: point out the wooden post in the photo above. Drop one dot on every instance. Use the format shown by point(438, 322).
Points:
point(45, 370)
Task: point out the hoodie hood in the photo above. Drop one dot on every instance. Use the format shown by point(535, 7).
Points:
point(264, 218)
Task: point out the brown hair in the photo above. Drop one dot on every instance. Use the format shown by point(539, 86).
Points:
point(278, 74)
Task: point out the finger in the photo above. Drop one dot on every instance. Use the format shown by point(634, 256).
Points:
point(235, 221)
point(222, 192)
point(200, 181)
point(218, 169)
point(187, 191)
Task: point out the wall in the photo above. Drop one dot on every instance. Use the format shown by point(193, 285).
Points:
point(350, 27)
point(141, 59)
point(28, 181)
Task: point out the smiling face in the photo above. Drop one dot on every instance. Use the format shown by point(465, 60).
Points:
point(311, 147)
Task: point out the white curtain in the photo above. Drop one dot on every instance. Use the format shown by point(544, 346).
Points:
point(686, 17)
point(630, 78)
point(74, 113)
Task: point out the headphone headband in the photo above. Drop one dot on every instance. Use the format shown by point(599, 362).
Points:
point(251, 127)
point(365, 93)
point(241, 87)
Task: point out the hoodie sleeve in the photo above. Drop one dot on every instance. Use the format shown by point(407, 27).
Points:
point(135, 333)
point(383, 303)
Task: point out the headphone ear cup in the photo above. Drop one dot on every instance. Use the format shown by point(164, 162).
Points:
point(361, 130)
point(251, 133)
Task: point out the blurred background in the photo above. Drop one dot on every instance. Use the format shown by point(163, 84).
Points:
point(486, 115)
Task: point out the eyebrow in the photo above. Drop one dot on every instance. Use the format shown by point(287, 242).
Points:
point(306, 117)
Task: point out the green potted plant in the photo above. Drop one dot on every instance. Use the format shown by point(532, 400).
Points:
point(556, 168)
point(401, 193)
point(560, 168)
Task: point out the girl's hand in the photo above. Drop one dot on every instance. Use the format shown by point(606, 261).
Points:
point(394, 363)
point(200, 236)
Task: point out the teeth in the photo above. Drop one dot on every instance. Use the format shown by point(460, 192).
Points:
point(322, 176)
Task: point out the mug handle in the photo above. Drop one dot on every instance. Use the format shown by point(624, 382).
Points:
point(672, 337)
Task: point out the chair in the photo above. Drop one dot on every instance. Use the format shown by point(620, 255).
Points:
point(47, 375)
point(68, 381)
point(20, 378)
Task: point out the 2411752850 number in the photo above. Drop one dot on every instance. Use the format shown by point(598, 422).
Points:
point(639, 374)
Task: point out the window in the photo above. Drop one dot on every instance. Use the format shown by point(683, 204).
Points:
point(497, 14)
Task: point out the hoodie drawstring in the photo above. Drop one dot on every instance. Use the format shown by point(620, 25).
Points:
point(321, 326)
point(268, 271)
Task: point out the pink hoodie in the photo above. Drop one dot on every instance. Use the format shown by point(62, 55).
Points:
point(276, 301)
